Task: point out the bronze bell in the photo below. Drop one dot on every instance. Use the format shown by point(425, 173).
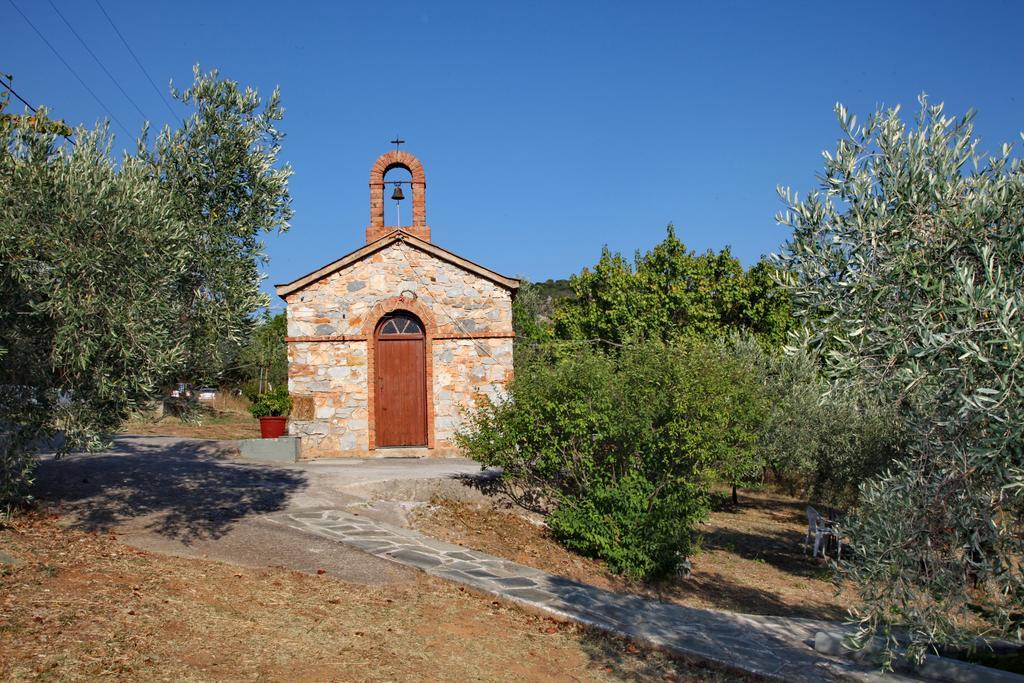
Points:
point(397, 194)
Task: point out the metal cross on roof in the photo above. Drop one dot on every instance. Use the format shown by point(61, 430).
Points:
point(397, 141)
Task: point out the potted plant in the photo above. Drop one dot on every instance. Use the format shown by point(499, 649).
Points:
point(272, 407)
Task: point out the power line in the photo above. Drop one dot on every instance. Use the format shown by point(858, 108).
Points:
point(97, 60)
point(13, 92)
point(73, 72)
point(163, 97)
point(30, 107)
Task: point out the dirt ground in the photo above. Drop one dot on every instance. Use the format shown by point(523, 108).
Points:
point(752, 558)
point(79, 606)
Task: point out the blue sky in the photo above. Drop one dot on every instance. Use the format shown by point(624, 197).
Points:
point(546, 129)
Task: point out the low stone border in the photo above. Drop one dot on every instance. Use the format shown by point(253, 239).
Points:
point(933, 667)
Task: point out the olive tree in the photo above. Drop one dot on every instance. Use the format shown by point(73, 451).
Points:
point(116, 276)
point(816, 440)
point(90, 253)
point(905, 268)
point(221, 169)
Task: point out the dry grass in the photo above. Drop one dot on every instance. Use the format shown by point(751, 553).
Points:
point(752, 559)
point(227, 402)
point(225, 418)
point(86, 607)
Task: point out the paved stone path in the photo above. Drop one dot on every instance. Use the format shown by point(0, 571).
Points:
point(774, 647)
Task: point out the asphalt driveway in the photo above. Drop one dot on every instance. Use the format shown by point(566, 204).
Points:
point(195, 498)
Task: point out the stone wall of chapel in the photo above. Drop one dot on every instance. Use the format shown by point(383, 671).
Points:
point(461, 302)
point(334, 376)
point(331, 377)
point(464, 371)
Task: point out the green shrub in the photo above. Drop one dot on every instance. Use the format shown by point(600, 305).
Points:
point(620, 448)
point(638, 530)
point(274, 403)
point(251, 390)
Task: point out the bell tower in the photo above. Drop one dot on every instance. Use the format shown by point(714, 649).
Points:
point(417, 187)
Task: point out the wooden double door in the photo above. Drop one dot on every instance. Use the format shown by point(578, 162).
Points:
point(400, 402)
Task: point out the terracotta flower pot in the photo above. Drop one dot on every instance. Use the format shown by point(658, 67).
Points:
point(273, 426)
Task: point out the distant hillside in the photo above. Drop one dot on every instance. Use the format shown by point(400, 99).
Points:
point(554, 289)
point(548, 294)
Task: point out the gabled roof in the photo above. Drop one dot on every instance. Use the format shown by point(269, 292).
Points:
point(284, 290)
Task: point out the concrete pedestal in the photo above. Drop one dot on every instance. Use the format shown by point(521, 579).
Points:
point(281, 449)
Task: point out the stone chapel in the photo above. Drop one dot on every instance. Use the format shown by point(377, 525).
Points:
point(389, 344)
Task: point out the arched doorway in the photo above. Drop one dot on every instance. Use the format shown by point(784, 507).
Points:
point(400, 403)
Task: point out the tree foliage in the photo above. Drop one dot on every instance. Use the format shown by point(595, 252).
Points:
point(118, 276)
point(670, 291)
point(90, 253)
point(626, 410)
point(817, 442)
point(262, 363)
point(621, 449)
point(221, 169)
point(905, 268)
point(528, 320)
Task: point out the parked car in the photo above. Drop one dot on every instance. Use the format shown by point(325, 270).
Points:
point(181, 390)
point(207, 394)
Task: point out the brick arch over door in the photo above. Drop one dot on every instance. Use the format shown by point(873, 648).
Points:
point(370, 323)
point(386, 162)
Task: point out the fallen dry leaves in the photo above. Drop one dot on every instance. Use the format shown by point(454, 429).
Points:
point(84, 607)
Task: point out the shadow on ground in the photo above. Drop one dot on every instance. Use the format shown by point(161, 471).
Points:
point(626, 662)
point(182, 489)
point(504, 493)
point(781, 546)
point(737, 597)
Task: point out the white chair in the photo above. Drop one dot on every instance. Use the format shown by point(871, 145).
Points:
point(821, 529)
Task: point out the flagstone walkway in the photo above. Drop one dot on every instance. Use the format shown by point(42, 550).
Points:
point(773, 647)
